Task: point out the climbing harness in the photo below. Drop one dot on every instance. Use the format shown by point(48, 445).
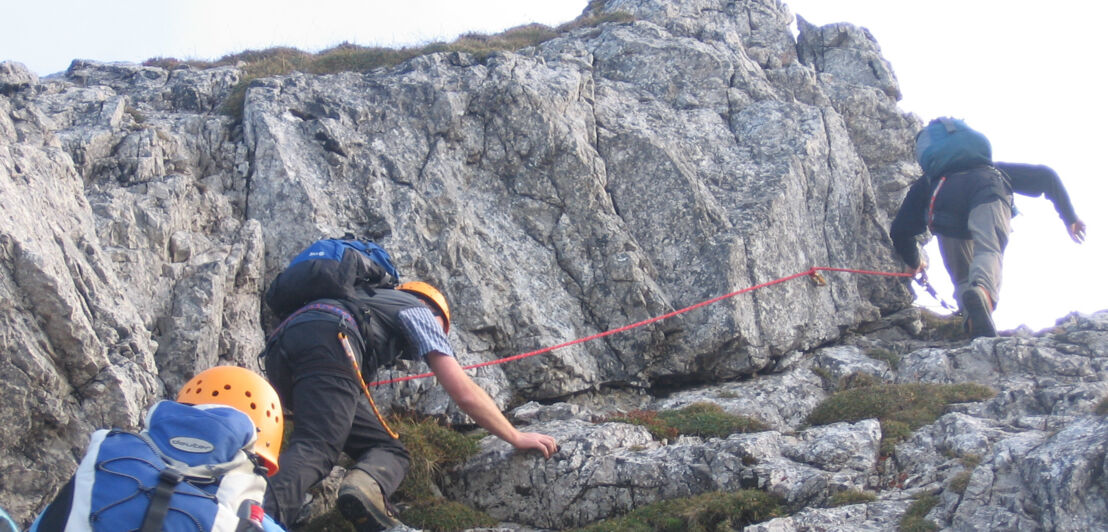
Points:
point(343, 315)
point(813, 273)
point(344, 339)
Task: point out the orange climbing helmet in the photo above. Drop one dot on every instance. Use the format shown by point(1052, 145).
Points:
point(432, 295)
point(248, 393)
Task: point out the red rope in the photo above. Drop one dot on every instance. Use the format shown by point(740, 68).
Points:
point(648, 321)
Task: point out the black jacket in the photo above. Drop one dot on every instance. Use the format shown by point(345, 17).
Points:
point(377, 330)
point(964, 190)
point(378, 315)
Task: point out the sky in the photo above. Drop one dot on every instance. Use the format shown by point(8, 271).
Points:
point(1022, 73)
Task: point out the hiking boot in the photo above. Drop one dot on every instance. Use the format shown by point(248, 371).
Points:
point(361, 502)
point(979, 312)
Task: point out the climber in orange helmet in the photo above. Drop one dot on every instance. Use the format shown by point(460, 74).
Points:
point(308, 361)
point(199, 463)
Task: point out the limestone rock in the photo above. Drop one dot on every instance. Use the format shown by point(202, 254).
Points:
point(598, 180)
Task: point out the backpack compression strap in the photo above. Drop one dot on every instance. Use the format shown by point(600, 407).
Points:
point(168, 480)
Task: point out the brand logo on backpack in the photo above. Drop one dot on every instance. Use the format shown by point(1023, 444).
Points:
point(158, 480)
point(191, 445)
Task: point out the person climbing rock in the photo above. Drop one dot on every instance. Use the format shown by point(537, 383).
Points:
point(319, 359)
point(965, 199)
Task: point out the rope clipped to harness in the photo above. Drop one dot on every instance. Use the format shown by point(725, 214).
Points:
point(345, 340)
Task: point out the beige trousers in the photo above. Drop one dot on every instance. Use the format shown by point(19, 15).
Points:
point(979, 261)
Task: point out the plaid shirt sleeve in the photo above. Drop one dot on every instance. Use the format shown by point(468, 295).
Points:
point(424, 332)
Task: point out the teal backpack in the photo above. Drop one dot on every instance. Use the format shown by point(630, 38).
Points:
point(947, 145)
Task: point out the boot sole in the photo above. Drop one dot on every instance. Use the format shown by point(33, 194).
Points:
point(363, 514)
point(977, 310)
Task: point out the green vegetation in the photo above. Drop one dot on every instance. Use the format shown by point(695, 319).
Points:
point(701, 513)
point(889, 357)
point(706, 420)
point(858, 380)
point(445, 516)
point(658, 428)
point(826, 377)
point(432, 447)
point(943, 327)
point(348, 57)
point(971, 461)
point(913, 520)
point(848, 497)
point(901, 408)
point(960, 482)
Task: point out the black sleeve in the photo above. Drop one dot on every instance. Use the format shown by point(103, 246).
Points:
point(1037, 180)
point(910, 222)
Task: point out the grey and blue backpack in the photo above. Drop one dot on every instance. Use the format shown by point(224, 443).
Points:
point(191, 469)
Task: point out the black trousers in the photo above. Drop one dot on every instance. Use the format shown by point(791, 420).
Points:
point(307, 365)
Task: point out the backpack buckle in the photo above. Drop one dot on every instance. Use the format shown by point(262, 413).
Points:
point(171, 476)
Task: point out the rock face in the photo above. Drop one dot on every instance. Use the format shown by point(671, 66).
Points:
point(1030, 458)
point(608, 176)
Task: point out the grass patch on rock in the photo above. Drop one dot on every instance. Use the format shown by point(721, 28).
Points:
point(948, 327)
point(901, 408)
point(347, 57)
point(710, 511)
point(706, 420)
point(960, 482)
point(433, 447)
point(914, 518)
point(441, 515)
point(848, 497)
point(886, 355)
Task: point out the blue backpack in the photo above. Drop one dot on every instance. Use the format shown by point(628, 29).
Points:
point(192, 468)
point(947, 145)
point(330, 269)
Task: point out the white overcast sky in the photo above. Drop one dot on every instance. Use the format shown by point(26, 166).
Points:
point(1027, 74)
